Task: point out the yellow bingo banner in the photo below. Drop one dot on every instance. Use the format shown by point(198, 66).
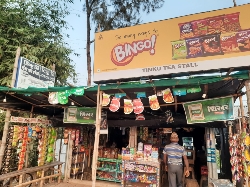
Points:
point(205, 41)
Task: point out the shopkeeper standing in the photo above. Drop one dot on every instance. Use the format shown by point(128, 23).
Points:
point(173, 154)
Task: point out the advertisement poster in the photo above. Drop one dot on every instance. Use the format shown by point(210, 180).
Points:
point(104, 124)
point(80, 115)
point(204, 41)
point(218, 109)
point(30, 74)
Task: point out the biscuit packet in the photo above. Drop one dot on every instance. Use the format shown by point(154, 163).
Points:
point(179, 49)
point(186, 30)
point(194, 48)
point(243, 40)
point(229, 43)
point(211, 45)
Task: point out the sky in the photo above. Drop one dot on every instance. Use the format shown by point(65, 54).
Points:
point(170, 9)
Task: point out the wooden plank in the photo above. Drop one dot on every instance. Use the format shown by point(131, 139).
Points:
point(29, 170)
point(37, 180)
point(59, 173)
point(42, 177)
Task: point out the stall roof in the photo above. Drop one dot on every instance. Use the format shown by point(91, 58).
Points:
point(216, 86)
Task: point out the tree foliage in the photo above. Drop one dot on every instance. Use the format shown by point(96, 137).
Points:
point(36, 27)
point(113, 14)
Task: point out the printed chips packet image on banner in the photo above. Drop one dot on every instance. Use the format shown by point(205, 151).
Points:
point(200, 27)
point(229, 43)
point(179, 49)
point(216, 25)
point(194, 48)
point(211, 45)
point(232, 22)
point(186, 30)
point(243, 40)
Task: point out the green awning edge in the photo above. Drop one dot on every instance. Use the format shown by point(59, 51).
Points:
point(199, 80)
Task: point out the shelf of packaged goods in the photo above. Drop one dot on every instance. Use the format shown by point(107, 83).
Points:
point(146, 172)
point(106, 169)
point(142, 182)
point(109, 160)
point(111, 180)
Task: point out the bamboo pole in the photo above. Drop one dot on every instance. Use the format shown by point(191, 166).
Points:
point(29, 145)
point(97, 135)
point(8, 111)
point(60, 148)
point(68, 159)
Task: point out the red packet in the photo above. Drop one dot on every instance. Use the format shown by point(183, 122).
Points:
point(114, 105)
point(138, 106)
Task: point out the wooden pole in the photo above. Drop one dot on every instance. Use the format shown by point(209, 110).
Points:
point(29, 145)
point(60, 148)
point(8, 112)
point(97, 135)
point(68, 159)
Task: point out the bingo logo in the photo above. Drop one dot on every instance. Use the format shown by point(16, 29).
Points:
point(123, 54)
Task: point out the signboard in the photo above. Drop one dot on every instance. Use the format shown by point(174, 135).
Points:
point(80, 115)
point(29, 120)
point(218, 109)
point(30, 74)
point(205, 41)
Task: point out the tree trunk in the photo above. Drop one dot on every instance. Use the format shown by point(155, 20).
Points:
point(234, 3)
point(88, 10)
